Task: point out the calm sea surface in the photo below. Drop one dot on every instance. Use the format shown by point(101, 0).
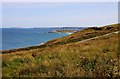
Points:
point(17, 38)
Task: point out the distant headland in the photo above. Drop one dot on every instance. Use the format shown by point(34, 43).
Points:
point(63, 31)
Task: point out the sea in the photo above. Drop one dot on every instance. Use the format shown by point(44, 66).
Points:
point(24, 37)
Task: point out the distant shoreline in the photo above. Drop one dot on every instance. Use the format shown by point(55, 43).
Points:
point(63, 31)
point(26, 47)
point(23, 48)
point(30, 46)
point(38, 45)
point(29, 37)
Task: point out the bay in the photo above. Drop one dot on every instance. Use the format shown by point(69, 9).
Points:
point(23, 37)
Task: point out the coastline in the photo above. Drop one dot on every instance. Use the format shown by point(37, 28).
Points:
point(28, 47)
point(41, 45)
point(22, 48)
point(32, 46)
point(86, 36)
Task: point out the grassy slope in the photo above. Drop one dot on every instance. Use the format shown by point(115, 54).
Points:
point(98, 57)
point(84, 34)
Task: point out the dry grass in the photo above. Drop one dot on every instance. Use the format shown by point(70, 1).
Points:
point(94, 58)
point(98, 57)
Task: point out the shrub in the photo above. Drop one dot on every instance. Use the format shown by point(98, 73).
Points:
point(88, 65)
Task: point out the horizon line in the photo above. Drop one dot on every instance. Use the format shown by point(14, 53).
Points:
point(60, 26)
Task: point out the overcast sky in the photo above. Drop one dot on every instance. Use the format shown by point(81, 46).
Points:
point(38, 14)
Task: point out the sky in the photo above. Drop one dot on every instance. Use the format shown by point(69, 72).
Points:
point(60, 0)
point(51, 14)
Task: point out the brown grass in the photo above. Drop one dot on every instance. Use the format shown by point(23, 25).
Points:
point(94, 58)
point(98, 57)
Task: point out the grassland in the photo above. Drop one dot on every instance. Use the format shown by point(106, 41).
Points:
point(68, 57)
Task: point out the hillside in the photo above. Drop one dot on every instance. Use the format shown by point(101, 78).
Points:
point(77, 36)
point(67, 56)
point(85, 34)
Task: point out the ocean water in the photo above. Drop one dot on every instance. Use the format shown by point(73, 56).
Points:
point(18, 37)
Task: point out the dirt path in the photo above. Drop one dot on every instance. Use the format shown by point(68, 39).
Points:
point(98, 36)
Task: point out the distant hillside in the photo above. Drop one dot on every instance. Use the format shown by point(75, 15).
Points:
point(62, 27)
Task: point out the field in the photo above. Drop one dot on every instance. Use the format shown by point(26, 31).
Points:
point(68, 56)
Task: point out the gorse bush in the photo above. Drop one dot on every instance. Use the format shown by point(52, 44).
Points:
point(88, 64)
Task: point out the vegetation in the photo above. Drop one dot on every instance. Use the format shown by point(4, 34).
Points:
point(67, 57)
